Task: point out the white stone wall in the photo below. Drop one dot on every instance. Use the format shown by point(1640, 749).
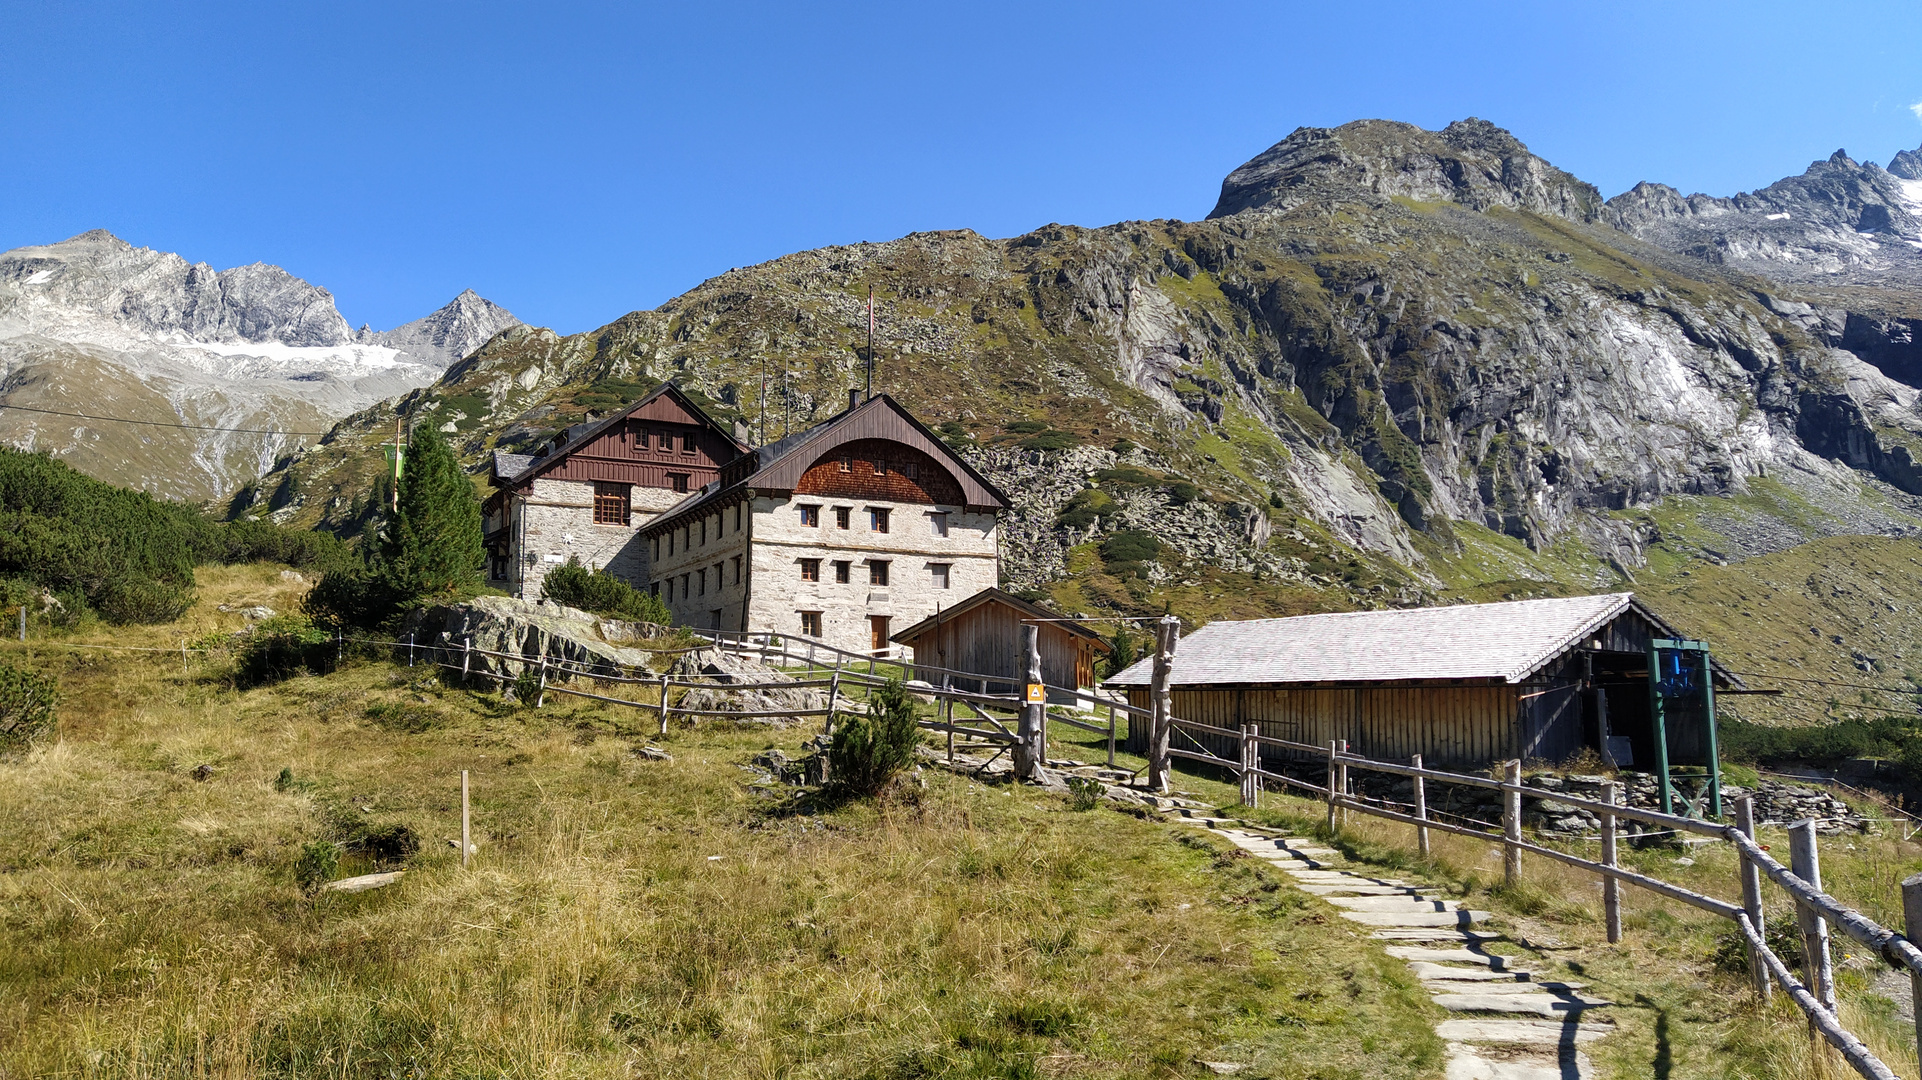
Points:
point(700, 580)
point(910, 545)
point(558, 523)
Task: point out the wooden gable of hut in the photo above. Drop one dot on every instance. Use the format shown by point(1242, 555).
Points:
point(982, 635)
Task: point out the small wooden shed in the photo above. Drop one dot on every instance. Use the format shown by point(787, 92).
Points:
point(1463, 686)
point(982, 634)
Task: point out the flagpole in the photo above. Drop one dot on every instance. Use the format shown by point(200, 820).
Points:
point(870, 393)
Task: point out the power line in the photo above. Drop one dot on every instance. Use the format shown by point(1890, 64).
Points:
point(158, 423)
point(1827, 682)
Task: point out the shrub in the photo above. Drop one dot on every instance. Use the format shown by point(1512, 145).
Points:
point(1084, 792)
point(431, 546)
point(1125, 476)
point(1050, 440)
point(1121, 652)
point(27, 700)
point(1181, 493)
point(352, 596)
point(1087, 507)
point(1130, 546)
point(1026, 427)
point(315, 865)
point(283, 646)
point(868, 751)
point(603, 594)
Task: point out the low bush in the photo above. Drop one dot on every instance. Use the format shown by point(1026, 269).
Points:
point(1025, 427)
point(1121, 652)
point(1881, 737)
point(868, 751)
point(281, 647)
point(1050, 440)
point(27, 700)
point(1084, 792)
point(1130, 546)
point(603, 594)
point(316, 865)
point(1087, 507)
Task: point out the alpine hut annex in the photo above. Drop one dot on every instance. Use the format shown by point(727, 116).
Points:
point(1463, 686)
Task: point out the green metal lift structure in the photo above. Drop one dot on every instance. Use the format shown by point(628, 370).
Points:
point(1679, 672)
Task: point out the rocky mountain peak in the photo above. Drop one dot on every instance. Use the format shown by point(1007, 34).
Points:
point(1907, 164)
point(462, 325)
point(1471, 162)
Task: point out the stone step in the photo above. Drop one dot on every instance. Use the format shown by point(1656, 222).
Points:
point(1506, 989)
point(1393, 903)
point(1453, 956)
point(1438, 934)
point(1468, 1063)
point(1550, 1005)
point(1522, 1032)
point(1402, 919)
point(1344, 877)
point(1426, 970)
point(1360, 889)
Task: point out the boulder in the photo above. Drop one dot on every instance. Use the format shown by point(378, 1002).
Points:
point(723, 670)
point(573, 641)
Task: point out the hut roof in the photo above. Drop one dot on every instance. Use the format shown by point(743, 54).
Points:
point(1026, 608)
point(1507, 641)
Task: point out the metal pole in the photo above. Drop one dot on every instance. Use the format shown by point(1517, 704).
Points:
point(1341, 778)
point(1752, 895)
point(466, 845)
point(1659, 717)
point(1421, 809)
point(410, 648)
point(1714, 748)
point(1912, 929)
point(1611, 888)
point(664, 703)
point(540, 692)
point(1162, 700)
point(466, 656)
point(1807, 865)
point(1512, 825)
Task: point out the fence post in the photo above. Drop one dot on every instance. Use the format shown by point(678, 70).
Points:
point(1912, 929)
point(1161, 729)
point(1111, 729)
point(834, 693)
point(1421, 809)
point(466, 656)
point(663, 702)
point(1611, 888)
point(410, 648)
point(540, 689)
point(1333, 749)
point(946, 712)
point(1752, 895)
point(1030, 753)
point(1341, 777)
point(465, 844)
point(1249, 780)
point(1512, 824)
point(1807, 865)
point(23, 620)
point(340, 648)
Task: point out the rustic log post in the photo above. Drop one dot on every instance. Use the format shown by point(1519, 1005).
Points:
point(1111, 733)
point(1341, 778)
point(1912, 929)
point(1512, 824)
point(466, 845)
point(663, 702)
point(1421, 809)
point(1611, 888)
point(1807, 865)
point(1752, 895)
point(466, 657)
point(1250, 783)
point(834, 700)
point(1030, 753)
point(1161, 729)
point(1334, 747)
point(946, 712)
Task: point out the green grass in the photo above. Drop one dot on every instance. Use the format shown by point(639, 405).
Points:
point(622, 915)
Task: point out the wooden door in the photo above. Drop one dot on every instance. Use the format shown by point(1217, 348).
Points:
point(878, 630)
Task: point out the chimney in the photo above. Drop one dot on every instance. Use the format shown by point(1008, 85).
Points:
point(854, 398)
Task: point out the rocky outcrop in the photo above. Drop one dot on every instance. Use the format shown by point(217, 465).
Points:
point(724, 670)
point(573, 643)
point(463, 325)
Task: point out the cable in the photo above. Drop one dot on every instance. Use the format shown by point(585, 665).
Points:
point(1826, 682)
point(157, 423)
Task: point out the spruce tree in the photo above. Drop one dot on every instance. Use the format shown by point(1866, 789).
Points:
point(432, 546)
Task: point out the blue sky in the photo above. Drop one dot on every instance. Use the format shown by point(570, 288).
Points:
point(577, 161)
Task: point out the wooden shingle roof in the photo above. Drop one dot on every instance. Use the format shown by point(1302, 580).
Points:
point(1506, 641)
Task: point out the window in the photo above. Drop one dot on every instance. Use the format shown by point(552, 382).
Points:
point(939, 571)
point(905, 468)
point(610, 503)
point(670, 543)
point(717, 577)
point(687, 443)
point(843, 571)
point(810, 623)
point(703, 532)
point(938, 523)
point(654, 551)
point(737, 569)
point(841, 515)
point(684, 592)
point(877, 519)
point(880, 467)
point(811, 517)
point(497, 567)
point(847, 464)
point(664, 440)
point(877, 572)
point(677, 481)
point(701, 578)
point(654, 589)
point(810, 569)
point(638, 438)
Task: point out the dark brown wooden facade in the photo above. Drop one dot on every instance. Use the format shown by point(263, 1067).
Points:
point(880, 469)
point(664, 437)
point(1595, 688)
point(982, 634)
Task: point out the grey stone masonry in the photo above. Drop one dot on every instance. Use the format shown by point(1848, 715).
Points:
point(555, 521)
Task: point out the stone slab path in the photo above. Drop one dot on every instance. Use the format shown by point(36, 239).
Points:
point(1509, 1025)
